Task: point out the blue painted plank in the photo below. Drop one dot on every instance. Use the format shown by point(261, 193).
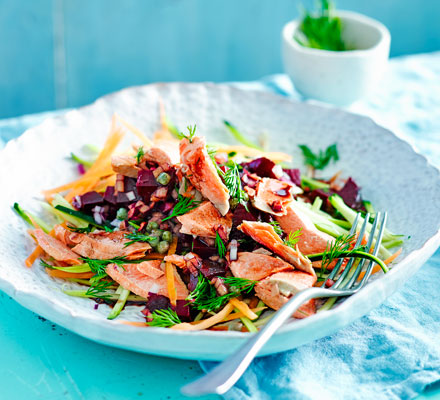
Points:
point(26, 57)
point(41, 360)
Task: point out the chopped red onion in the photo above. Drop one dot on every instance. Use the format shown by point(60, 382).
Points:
point(97, 217)
point(130, 196)
point(81, 169)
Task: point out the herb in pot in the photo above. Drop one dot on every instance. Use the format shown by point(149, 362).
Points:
point(321, 29)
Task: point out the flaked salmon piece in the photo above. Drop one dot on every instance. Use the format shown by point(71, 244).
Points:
point(272, 196)
point(256, 266)
point(311, 240)
point(202, 174)
point(164, 152)
point(204, 221)
point(190, 262)
point(55, 248)
point(264, 234)
point(278, 288)
point(125, 165)
point(151, 268)
point(105, 245)
point(131, 278)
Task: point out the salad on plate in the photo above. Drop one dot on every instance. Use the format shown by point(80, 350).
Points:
point(199, 235)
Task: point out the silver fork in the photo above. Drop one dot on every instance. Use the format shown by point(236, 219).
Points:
point(221, 378)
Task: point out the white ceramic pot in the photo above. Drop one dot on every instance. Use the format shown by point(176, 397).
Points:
point(338, 77)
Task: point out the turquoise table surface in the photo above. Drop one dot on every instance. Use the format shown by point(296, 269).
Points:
point(40, 360)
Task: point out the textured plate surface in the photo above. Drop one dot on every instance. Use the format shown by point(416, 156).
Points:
point(393, 176)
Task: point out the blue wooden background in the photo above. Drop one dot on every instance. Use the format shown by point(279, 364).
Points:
point(65, 53)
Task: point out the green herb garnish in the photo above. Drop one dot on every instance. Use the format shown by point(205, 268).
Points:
point(220, 245)
point(276, 227)
point(321, 29)
point(204, 296)
point(293, 238)
point(334, 250)
point(232, 181)
point(99, 287)
point(138, 237)
point(164, 318)
point(87, 229)
point(321, 159)
point(191, 133)
point(99, 266)
point(183, 206)
point(140, 154)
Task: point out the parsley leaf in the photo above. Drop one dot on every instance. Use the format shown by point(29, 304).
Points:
point(321, 159)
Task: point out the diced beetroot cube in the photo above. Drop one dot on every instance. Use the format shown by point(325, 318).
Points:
point(210, 269)
point(293, 174)
point(87, 201)
point(262, 167)
point(146, 184)
point(351, 195)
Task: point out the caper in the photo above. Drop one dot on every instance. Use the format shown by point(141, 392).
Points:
point(163, 178)
point(122, 214)
point(156, 232)
point(167, 236)
point(163, 247)
point(154, 242)
point(152, 225)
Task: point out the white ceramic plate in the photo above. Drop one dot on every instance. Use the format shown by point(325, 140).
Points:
point(392, 174)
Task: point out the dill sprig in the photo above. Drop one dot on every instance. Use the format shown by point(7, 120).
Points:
point(99, 266)
point(87, 229)
point(204, 296)
point(99, 287)
point(164, 318)
point(276, 227)
point(334, 250)
point(191, 133)
point(183, 206)
point(321, 159)
point(138, 237)
point(46, 265)
point(220, 245)
point(293, 238)
point(232, 181)
point(140, 154)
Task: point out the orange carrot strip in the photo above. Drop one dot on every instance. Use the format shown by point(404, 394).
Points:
point(140, 135)
point(218, 328)
point(377, 268)
point(206, 323)
point(134, 323)
point(169, 271)
point(391, 258)
point(55, 273)
point(244, 308)
point(237, 315)
point(38, 251)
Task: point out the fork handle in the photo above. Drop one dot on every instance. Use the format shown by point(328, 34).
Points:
point(221, 378)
